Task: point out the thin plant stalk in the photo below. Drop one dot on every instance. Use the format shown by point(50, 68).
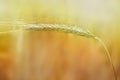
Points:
point(108, 55)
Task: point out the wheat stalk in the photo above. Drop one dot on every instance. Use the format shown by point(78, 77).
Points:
point(67, 29)
point(73, 30)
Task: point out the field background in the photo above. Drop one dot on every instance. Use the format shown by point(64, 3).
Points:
point(99, 16)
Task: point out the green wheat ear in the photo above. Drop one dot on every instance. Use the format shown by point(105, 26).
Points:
point(61, 28)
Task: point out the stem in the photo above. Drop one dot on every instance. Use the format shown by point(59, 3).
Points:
point(108, 55)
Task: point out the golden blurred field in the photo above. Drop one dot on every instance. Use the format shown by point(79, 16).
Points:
point(55, 55)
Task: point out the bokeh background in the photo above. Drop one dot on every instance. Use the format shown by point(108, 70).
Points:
point(101, 17)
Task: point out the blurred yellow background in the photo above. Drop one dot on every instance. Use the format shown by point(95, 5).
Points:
point(101, 17)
